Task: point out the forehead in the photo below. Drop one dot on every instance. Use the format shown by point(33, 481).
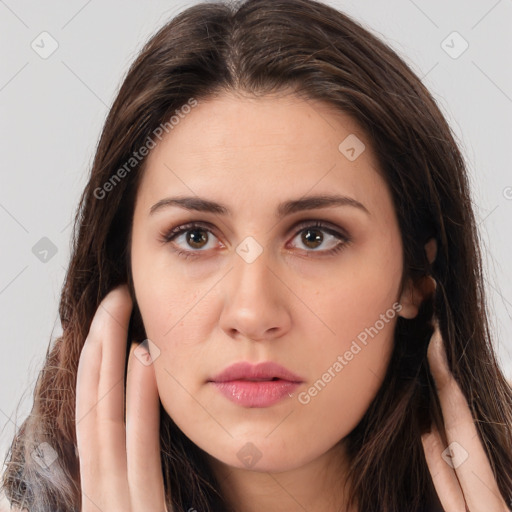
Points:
point(246, 124)
point(268, 147)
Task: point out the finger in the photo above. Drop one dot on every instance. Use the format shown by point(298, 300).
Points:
point(101, 426)
point(85, 416)
point(143, 433)
point(445, 481)
point(113, 317)
point(465, 448)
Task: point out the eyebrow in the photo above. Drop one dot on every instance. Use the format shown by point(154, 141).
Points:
point(196, 203)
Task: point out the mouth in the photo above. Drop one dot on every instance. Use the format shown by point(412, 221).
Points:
point(261, 385)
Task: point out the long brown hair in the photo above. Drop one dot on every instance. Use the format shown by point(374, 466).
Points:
point(261, 47)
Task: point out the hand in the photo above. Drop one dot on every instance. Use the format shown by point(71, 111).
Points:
point(120, 467)
point(463, 479)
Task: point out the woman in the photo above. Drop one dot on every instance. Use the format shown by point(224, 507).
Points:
point(276, 371)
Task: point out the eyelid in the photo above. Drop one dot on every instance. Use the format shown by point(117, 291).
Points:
point(322, 225)
point(167, 236)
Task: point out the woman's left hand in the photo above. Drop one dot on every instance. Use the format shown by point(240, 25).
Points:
point(461, 472)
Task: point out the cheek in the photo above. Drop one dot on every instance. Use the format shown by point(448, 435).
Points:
point(346, 375)
point(177, 328)
point(167, 299)
point(176, 323)
point(352, 344)
point(178, 320)
point(355, 297)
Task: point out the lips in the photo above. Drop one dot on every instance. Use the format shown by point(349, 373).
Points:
point(260, 385)
point(266, 371)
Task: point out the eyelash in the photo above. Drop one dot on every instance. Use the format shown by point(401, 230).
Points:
point(167, 236)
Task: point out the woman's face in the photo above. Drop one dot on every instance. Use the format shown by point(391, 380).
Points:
point(257, 281)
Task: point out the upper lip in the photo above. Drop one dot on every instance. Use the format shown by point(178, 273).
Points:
point(262, 371)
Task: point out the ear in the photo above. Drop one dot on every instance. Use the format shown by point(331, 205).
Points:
point(414, 293)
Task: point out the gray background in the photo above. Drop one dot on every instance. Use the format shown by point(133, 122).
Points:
point(52, 111)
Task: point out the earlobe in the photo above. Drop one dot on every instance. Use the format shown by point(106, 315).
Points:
point(415, 293)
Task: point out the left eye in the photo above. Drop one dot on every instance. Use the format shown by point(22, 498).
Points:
point(196, 236)
point(312, 236)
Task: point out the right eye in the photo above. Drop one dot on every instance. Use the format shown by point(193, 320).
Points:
point(194, 235)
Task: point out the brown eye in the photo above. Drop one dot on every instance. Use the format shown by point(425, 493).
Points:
point(317, 234)
point(190, 239)
point(312, 238)
point(196, 238)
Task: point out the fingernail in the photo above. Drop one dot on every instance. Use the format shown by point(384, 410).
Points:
point(437, 355)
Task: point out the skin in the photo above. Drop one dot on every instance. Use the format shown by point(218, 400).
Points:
point(291, 305)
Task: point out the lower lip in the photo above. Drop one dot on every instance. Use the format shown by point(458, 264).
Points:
point(256, 394)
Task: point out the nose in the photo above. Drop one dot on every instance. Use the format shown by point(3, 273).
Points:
point(256, 301)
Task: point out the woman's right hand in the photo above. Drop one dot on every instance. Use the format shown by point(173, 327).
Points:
point(120, 468)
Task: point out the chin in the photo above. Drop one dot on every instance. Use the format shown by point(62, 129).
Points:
point(261, 455)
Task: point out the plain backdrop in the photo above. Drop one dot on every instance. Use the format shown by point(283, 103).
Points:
point(52, 108)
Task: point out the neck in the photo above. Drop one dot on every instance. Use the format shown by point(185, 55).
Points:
point(316, 485)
